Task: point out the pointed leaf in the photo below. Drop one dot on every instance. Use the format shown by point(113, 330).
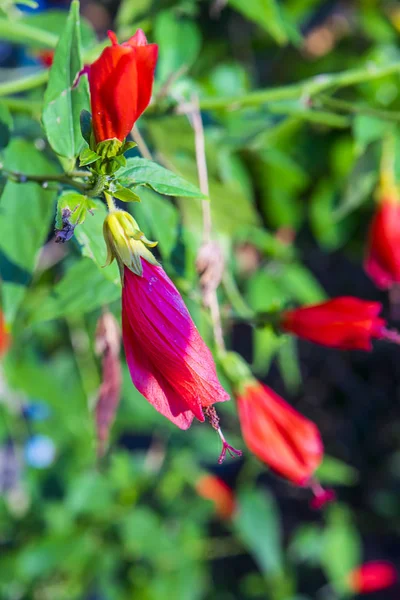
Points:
point(125, 194)
point(26, 208)
point(257, 523)
point(87, 157)
point(63, 103)
point(140, 171)
point(70, 297)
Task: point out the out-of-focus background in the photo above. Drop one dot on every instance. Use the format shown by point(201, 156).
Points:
point(292, 188)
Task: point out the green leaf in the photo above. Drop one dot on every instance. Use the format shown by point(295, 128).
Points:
point(360, 184)
point(90, 236)
point(368, 129)
point(307, 544)
point(82, 289)
point(265, 346)
point(342, 547)
point(85, 120)
point(168, 28)
point(161, 217)
point(129, 11)
point(257, 523)
point(300, 283)
point(289, 367)
point(54, 21)
point(333, 471)
point(326, 230)
point(87, 157)
point(269, 15)
point(62, 102)
point(6, 123)
point(26, 208)
point(140, 171)
point(12, 294)
point(125, 194)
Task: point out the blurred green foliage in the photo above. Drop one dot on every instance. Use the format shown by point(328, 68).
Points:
point(292, 166)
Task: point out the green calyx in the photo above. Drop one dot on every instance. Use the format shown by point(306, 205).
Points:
point(236, 370)
point(106, 157)
point(126, 242)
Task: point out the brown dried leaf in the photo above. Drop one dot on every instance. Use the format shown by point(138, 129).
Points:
point(210, 265)
point(107, 344)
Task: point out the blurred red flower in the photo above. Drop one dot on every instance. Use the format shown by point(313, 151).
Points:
point(345, 323)
point(121, 82)
point(277, 434)
point(372, 577)
point(282, 438)
point(5, 338)
point(382, 262)
point(168, 360)
point(215, 489)
point(46, 57)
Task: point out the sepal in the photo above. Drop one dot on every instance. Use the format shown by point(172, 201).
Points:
point(109, 148)
point(86, 126)
point(236, 370)
point(126, 242)
point(87, 157)
point(124, 194)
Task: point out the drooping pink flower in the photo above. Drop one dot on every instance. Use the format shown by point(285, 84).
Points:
point(168, 360)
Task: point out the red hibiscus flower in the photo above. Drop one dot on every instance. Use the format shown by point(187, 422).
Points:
point(382, 262)
point(281, 437)
point(121, 82)
point(372, 577)
point(345, 323)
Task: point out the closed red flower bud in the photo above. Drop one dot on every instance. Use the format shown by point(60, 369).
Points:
point(121, 82)
point(215, 489)
point(345, 323)
point(372, 577)
point(277, 434)
point(167, 358)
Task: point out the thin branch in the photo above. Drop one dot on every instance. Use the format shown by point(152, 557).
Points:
point(19, 32)
point(143, 148)
point(309, 87)
point(348, 107)
point(197, 124)
point(44, 180)
point(210, 259)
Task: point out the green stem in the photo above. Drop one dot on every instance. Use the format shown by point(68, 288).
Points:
point(109, 201)
point(309, 87)
point(235, 298)
point(22, 105)
point(19, 32)
point(43, 179)
point(30, 82)
point(344, 106)
point(15, 86)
